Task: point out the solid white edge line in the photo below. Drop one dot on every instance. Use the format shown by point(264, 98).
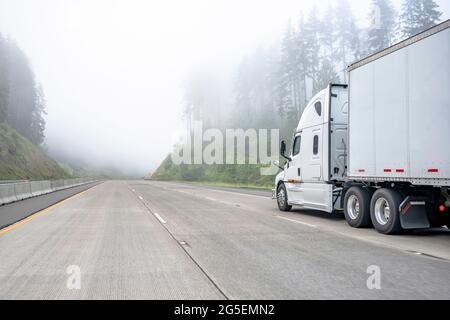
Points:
point(299, 222)
point(222, 191)
point(159, 218)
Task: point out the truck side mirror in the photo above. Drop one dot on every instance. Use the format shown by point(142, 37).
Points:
point(277, 164)
point(283, 148)
point(283, 151)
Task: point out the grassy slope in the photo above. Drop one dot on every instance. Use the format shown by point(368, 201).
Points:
point(220, 175)
point(21, 160)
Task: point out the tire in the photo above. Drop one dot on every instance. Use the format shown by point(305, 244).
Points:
point(282, 198)
point(357, 207)
point(384, 211)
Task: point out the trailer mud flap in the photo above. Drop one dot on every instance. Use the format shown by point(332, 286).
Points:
point(413, 213)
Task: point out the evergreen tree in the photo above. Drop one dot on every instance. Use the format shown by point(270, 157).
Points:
point(273, 73)
point(418, 15)
point(286, 72)
point(300, 70)
point(243, 90)
point(22, 102)
point(327, 74)
point(312, 49)
point(4, 79)
point(382, 30)
point(22, 89)
point(37, 127)
point(261, 76)
point(347, 38)
point(327, 33)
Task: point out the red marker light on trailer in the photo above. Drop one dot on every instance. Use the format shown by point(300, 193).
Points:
point(442, 208)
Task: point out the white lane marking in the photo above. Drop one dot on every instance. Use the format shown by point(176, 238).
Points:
point(299, 222)
point(154, 213)
point(133, 190)
point(159, 218)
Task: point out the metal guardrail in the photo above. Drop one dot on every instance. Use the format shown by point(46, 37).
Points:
point(12, 191)
point(11, 181)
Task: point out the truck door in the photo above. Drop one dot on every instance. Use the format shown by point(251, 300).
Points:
point(338, 132)
point(316, 193)
point(294, 173)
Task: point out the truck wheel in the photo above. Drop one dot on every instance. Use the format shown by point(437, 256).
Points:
point(282, 198)
point(384, 211)
point(357, 207)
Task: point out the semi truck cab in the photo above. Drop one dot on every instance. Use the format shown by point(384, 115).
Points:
point(317, 162)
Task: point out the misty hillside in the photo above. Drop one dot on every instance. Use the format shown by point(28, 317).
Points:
point(22, 123)
point(22, 160)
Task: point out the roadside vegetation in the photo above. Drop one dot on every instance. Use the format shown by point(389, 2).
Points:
point(244, 176)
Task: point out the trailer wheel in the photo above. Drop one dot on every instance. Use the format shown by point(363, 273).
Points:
point(384, 211)
point(357, 207)
point(282, 198)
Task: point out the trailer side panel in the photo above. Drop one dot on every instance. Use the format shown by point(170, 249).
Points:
point(429, 105)
point(399, 119)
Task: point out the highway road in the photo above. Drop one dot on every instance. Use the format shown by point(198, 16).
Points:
point(163, 240)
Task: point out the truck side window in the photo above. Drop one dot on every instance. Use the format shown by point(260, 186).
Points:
point(316, 145)
point(297, 145)
point(318, 107)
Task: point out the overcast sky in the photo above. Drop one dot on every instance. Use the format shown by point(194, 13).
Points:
point(112, 70)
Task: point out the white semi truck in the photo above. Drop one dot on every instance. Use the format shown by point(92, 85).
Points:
point(378, 149)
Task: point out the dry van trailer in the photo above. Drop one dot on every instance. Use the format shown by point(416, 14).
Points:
point(399, 112)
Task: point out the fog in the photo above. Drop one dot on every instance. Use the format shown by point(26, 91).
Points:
point(113, 70)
